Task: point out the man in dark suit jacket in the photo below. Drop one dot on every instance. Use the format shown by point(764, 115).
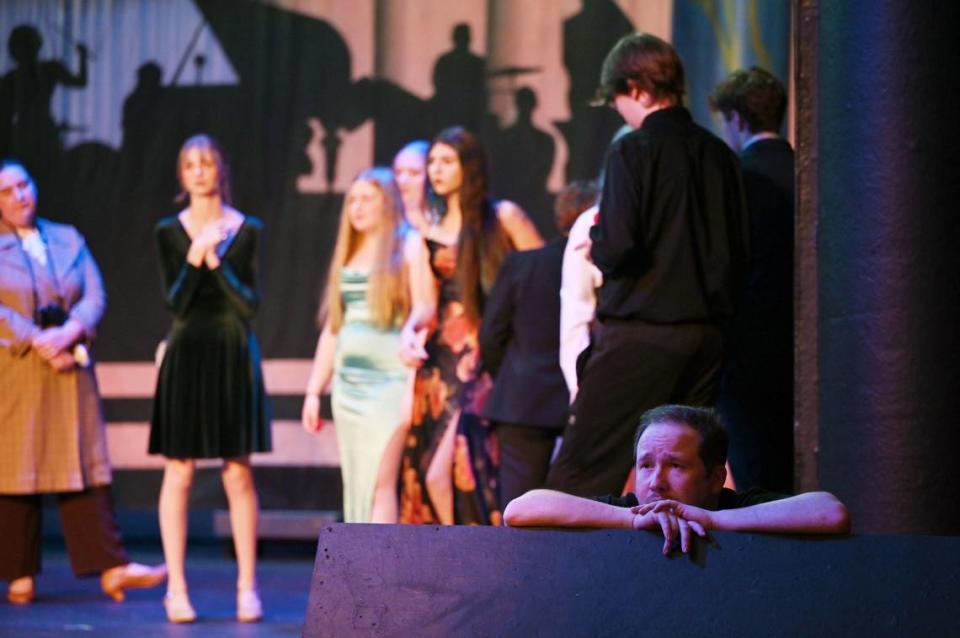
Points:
point(519, 344)
point(756, 388)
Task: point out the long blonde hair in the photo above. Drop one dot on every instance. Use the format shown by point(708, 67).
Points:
point(388, 294)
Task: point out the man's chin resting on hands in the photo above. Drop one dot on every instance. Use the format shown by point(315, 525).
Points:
point(681, 453)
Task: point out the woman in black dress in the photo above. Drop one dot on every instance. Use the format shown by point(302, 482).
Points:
point(210, 400)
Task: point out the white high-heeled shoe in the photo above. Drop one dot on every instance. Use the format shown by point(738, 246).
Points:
point(249, 607)
point(116, 580)
point(178, 607)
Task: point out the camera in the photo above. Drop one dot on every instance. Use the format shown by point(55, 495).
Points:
point(51, 316)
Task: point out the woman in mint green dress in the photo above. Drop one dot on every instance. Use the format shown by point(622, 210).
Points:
point(379, 302)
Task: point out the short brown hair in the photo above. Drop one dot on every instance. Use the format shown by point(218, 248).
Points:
point(576, 197)
point(707, 423)
point(646, 61)
point(756, 95)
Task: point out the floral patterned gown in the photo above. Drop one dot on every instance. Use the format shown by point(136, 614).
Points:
point(450, 390)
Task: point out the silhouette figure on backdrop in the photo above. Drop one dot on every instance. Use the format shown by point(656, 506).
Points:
point(309, 77)
point(142, 105)
point(523, 155)
point(27, 128)
point(398, 116)
point(143, 112)
point(460, 84)
point(587, 37)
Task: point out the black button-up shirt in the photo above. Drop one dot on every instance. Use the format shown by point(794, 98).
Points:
point(672, 234)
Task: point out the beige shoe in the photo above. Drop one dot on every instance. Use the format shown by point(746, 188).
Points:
point(178, 607)
point(249, 607)
point(21, 591)
point(132, 575)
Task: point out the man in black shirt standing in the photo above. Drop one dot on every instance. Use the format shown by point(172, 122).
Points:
point(671, 241)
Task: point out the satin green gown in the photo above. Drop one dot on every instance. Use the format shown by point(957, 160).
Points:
point(369, 389)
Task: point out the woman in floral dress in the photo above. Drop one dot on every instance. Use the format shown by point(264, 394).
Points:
point(449, 467)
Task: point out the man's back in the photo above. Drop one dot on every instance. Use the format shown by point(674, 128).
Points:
point(519, 339)
point(671, 240)
point(769, 187)
point(756, 390)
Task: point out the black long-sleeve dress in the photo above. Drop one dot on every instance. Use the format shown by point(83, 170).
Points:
point(210, 400)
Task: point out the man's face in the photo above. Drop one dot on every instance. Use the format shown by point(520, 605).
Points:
point(669, 467)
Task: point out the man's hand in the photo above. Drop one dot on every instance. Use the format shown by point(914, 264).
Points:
point(673, 518)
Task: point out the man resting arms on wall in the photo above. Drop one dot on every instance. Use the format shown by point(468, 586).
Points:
point(681, 453)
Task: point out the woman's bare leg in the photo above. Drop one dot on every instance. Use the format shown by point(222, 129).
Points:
point(385, 508)
point(174, 500)
point(440, 473)
point(244, 508)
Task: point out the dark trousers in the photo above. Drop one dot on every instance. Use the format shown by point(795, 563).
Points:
point(760, 428)
point(632, 367)
point(89, 528)
point(525, 452)
point(756, 403)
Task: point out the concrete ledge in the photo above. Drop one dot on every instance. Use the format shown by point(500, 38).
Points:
point(391, 580)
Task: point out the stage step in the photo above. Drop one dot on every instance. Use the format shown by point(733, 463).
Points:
point(281, 524)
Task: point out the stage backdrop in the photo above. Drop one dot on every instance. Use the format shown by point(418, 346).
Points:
point(97, 96)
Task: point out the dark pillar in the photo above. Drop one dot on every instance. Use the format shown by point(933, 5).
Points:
point(805, 284)
point(887, 176)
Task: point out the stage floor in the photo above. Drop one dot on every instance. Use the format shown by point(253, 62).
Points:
point(68, 606)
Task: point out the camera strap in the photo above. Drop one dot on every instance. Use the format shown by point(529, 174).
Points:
point(28, 260)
